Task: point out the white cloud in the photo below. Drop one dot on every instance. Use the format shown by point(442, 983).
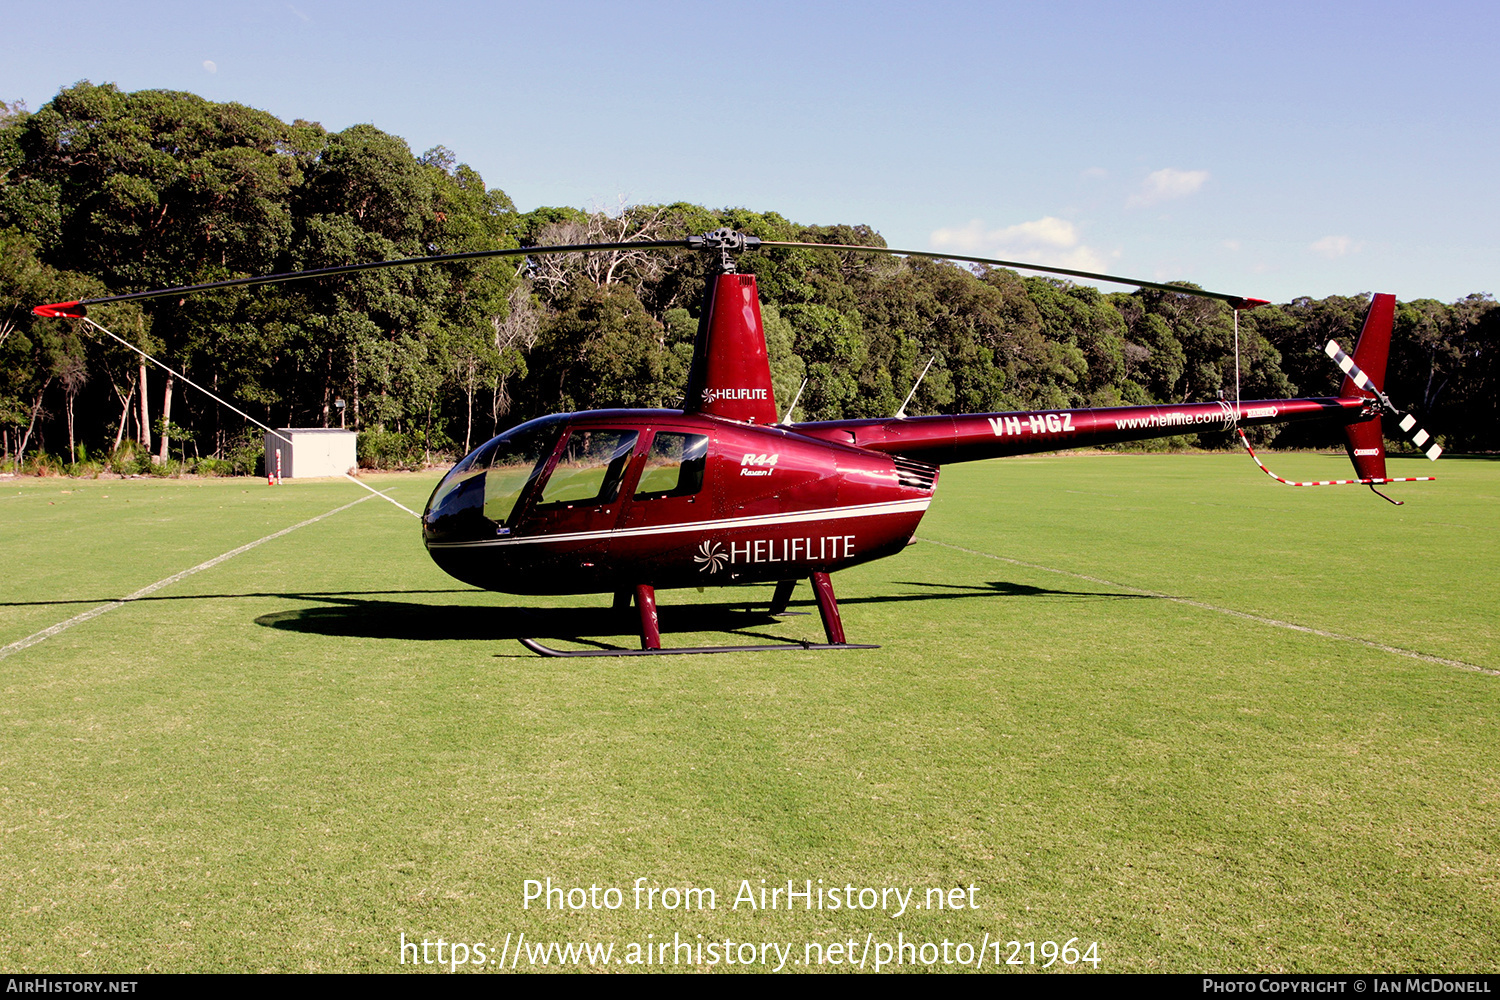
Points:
point(1095, 173)
point(1333, 247)
point(1167, 184)
point(210, 65)
point(1048, 240)
point(1231, 245)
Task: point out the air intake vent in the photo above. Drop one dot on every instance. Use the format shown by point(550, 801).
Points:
point(916, 475)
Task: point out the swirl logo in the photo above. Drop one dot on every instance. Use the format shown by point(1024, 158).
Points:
point(712, 556)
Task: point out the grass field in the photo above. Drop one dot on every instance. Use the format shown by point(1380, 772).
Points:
point(1087, 705)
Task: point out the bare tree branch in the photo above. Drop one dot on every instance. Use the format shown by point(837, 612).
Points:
point(602, 267)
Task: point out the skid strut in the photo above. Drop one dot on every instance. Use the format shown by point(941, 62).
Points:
point(645, 602)
point(782, 597)
point(828, 608)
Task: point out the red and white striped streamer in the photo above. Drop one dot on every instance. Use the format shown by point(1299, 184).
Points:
point(1329, 482)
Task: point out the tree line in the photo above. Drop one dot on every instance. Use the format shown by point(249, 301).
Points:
point(103, 192)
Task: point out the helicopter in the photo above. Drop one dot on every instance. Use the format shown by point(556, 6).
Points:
point(724, 491)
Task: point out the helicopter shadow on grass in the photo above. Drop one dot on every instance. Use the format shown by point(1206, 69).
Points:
point(311, 595)
point(350, 616)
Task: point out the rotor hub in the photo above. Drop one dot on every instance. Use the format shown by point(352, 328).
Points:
point(728, 242)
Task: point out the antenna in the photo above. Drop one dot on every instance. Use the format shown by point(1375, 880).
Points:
point(901, 413)
point(788, 418)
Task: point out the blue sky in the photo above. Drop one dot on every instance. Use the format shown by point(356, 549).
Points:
point(1264, 149)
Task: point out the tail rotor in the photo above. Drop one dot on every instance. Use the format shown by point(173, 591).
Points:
point(1364, 437)
point(1408, 423)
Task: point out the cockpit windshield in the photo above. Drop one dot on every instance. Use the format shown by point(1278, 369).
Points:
point(487, 484)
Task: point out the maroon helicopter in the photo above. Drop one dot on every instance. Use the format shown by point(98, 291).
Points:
point(720, 492)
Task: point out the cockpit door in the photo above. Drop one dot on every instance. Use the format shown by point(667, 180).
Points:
point(579, 499)
point(670, 488)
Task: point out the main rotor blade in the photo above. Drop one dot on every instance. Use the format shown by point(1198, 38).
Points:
point(707, 241)
point(1236, 301)
point(76, 309)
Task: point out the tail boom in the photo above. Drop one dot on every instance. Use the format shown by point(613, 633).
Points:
point(974, 436)
point(1358, 409)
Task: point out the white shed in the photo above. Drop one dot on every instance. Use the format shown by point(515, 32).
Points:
point(313, 451)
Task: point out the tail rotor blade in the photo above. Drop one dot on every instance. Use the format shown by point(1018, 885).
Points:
point(1348, 367)
point(1408, 424)
point(1419, 437)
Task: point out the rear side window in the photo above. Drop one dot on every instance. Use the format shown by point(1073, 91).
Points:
point(590, 468)
point(674, 466)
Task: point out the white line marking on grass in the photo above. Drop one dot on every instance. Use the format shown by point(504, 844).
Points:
point(1275, 623)
point(224, 402)
point(79, 619)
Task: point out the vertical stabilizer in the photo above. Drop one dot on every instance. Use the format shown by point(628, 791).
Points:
point(1365, 441)
point(731, 375)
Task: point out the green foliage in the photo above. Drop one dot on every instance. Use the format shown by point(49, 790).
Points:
point(103, 191)
point(142, 189)
point(168, 468)
point(39, 463)
point(389, 450)
point(1443, 362)
point(788, 369)
point(601, 345)
point(245, 457)
point(214, 467)
point(126, 460)
point(831, 346)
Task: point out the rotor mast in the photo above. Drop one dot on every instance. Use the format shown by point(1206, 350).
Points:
point(730, 375)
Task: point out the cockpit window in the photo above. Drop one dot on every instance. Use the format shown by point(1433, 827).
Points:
point(509, 468)
point(674, 466)
point(590, 467)
point(486, 485)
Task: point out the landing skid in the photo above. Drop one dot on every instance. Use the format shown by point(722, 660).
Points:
point(645, 602)
point(537, 647)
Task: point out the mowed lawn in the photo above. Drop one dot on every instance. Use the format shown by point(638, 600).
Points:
point(1087, 705)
